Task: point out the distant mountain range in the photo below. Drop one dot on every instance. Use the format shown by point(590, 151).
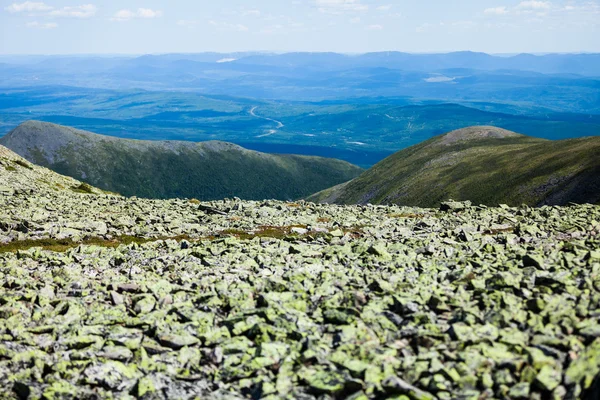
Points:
point(485, 165)
point(582, 64)
point(558, 82)
point(169, 169)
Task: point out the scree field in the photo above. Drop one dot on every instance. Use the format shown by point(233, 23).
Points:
point(110, 297)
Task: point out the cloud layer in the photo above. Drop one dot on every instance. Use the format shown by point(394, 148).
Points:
point(84, 11)
point(28, 6)
point(340, 6)
point(141, 13)
point(42, 9)
point(496, 11)
point(38, 25)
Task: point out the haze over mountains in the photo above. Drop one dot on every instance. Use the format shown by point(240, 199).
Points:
point(580, 64)
point(169, 169)
point(553, 81)
point(485, 165)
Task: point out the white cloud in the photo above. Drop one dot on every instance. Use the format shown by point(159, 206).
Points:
point(586, 7)
point(37, 25)
point(28, 6)
point(355, 20)
point(43, 9)
point(340, 6)
point(375, 27)
point(145, 13)
point(534, 5)
point(496, 11)
point(84, 11)
point(148, 13)
point(386, 7)
point(123, 15)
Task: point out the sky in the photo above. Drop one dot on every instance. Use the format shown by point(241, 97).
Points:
point(347, 26)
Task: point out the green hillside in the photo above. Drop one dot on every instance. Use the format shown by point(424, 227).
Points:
point(167, 169)
point(485, 165)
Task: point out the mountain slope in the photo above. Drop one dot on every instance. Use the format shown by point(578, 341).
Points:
point(208, 170)
point(18, 176)
point(486, 165)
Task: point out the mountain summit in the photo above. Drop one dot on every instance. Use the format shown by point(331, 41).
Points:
point(476, 133)
point(483, 164)
point(167, 169)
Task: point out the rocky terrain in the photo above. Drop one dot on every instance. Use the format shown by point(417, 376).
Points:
point(105, 296)
point(483, 164)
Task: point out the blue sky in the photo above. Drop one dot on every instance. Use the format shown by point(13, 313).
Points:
point(351, 26)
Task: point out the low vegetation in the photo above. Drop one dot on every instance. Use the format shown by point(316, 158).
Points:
point(23, 164)
point(83, 188)
point(154, 169)
point(484, 165)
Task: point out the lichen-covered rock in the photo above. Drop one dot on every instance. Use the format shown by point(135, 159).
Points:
point(160, 299)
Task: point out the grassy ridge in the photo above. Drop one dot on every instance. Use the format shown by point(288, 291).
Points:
point(175, 169)
point(514, 170)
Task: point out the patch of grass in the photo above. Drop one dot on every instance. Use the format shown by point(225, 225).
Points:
point(194, 201)
point(63, 245)
point(23, 164)
point(283, 232)
point(408, 216)
point(10, 168)
point(275, 232)
point(497, 231)
point(83, 188)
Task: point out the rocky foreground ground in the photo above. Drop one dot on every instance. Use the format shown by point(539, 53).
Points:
point(109, 297)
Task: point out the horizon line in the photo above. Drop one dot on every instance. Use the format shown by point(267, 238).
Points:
point(275, 52)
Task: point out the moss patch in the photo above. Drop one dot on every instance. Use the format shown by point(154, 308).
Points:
point(83, 188)
point(23, 164)
point(62, 245)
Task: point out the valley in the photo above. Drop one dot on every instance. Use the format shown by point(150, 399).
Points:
point(360, 132)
